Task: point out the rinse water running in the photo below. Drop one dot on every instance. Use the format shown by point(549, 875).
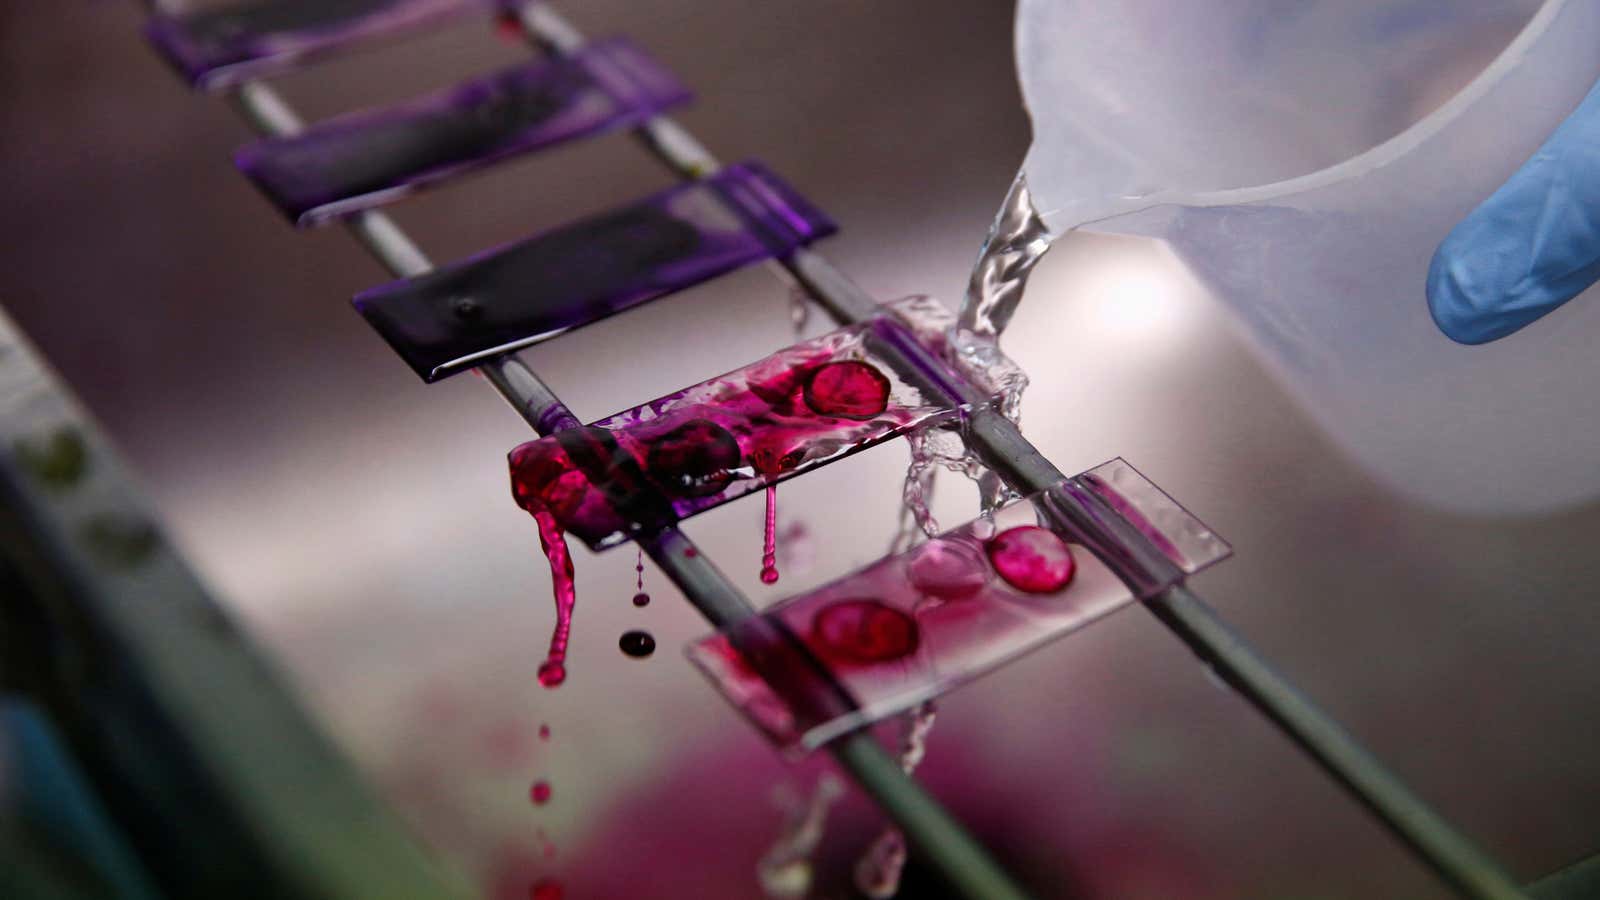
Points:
point(1017, 240)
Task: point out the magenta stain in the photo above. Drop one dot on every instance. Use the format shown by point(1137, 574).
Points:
point(1032, 559)
point(696, 459)
point(848, 389)
point(863, 631)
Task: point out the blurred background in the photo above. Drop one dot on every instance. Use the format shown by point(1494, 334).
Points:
point(360, 522)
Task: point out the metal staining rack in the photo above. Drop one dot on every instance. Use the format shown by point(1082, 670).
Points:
point(477, 313)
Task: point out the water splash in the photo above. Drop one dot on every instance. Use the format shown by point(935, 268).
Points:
point(1017, 240)
point(933, 449)
point(553, 671)
point(877, 873)
point(785, 871)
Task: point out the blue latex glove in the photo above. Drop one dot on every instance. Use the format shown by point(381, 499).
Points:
point(1532, 246)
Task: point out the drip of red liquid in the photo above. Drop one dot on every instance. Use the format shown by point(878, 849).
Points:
point(544, 732)
point(540, 793)
point(547, 889)
point(769, 552)
point(640, 598)
point(1032, 559)
point(553, 670)
point(864, 632)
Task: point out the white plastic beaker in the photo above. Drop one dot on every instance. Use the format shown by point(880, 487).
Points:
point(1305, 159)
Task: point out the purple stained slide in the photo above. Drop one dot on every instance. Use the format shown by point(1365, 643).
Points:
point(534, 290)
point(217, 46)
point(796, 410)
point(368, 158)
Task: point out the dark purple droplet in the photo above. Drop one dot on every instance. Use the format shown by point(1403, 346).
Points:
point(695, 459)
point(863, 631)
point(637, 644)
point(1032, 559)
point(848, 389)
point(641, 599)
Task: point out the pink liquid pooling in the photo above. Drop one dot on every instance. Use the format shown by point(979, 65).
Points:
point(1031, 559)
point(863, 632)
point(911, 626)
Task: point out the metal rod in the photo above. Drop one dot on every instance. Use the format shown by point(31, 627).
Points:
point(1001, 446)
point(951, 850)
point(1449, 853)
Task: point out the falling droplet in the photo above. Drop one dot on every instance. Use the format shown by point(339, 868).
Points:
point(553, 671)
point(641, 598)
point(637, 644)
point(544, 732)
point(769, 552)
point(539, 793)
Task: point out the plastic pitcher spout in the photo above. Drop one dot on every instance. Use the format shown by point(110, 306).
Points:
point(1305, 164)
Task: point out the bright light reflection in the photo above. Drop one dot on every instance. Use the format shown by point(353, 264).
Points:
point(1143, 298)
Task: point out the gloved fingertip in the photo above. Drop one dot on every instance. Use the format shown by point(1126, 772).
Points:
point(1457, 299)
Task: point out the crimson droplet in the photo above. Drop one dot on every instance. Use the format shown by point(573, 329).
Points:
point(546, 889)
point(864, 631)
point(1032, 559)
point(848, 389)
point(540, 792)
point(552, 674)
point(693, 460)
point(637, 644)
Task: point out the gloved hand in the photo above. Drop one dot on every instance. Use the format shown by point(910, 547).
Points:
point(1532, 246)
